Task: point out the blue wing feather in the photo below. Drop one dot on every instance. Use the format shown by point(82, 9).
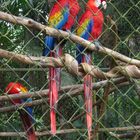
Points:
point(49, 45)
point(85, 35)
point(64, 20)
point(29, 109)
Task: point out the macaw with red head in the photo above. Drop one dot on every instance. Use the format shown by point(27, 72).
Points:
point(90, 28)
point(26, 114)
point(62, 16)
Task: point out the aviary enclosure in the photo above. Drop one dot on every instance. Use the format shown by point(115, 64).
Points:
point(95, 99)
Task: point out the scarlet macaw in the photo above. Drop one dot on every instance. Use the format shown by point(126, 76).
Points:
point(62, 16)
point(89, 27)
point(26, 114)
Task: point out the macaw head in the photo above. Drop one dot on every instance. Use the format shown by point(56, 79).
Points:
point(15, 88)
point(98, 3)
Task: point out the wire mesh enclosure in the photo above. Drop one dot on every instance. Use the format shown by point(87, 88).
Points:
point(70, 69)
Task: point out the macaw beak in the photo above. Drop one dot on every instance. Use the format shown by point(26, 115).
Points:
point(104, 4)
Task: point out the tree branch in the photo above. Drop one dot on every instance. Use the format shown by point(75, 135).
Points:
point(128, 135)
point(72, 66)
point(65, 131)
point(44, 93)
point(59, 33)
point(77, 89)
point(102, 109)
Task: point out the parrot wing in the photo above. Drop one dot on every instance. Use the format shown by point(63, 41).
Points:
point(27, 124)
point(59, 15)
point(86, 24)
point(57, 19)
point(73, 12)
point(26, 115)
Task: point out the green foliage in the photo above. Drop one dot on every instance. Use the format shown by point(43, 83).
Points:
point(123, 106)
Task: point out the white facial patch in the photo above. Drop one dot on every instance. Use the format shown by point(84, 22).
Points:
point(104, 4)
point(98, 2)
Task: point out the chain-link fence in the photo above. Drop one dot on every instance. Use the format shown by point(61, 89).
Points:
point(111, 98)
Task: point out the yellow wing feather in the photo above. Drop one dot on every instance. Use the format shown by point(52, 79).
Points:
point(55, 19)
point(82, 27)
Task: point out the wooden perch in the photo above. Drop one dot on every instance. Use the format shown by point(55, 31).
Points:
point(70, 63)
point(77, 89)
point(44, 93)
point(129, 135)
point(68, 131)
point(59, 33)
point(102, 110)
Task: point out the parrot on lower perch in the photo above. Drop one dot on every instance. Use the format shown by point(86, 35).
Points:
point(26, 114)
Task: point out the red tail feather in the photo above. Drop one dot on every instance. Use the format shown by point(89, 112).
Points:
point(58, 70)
point(53, 99)
point(88, 102)
point(88, 99)
point(28, 126)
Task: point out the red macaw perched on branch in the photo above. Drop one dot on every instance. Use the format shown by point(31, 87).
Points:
point(62, 16)
point(26, 113)
point(90, 28)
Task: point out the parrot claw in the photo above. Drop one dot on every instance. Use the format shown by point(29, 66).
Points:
point(97, 44)
point(70, 33)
